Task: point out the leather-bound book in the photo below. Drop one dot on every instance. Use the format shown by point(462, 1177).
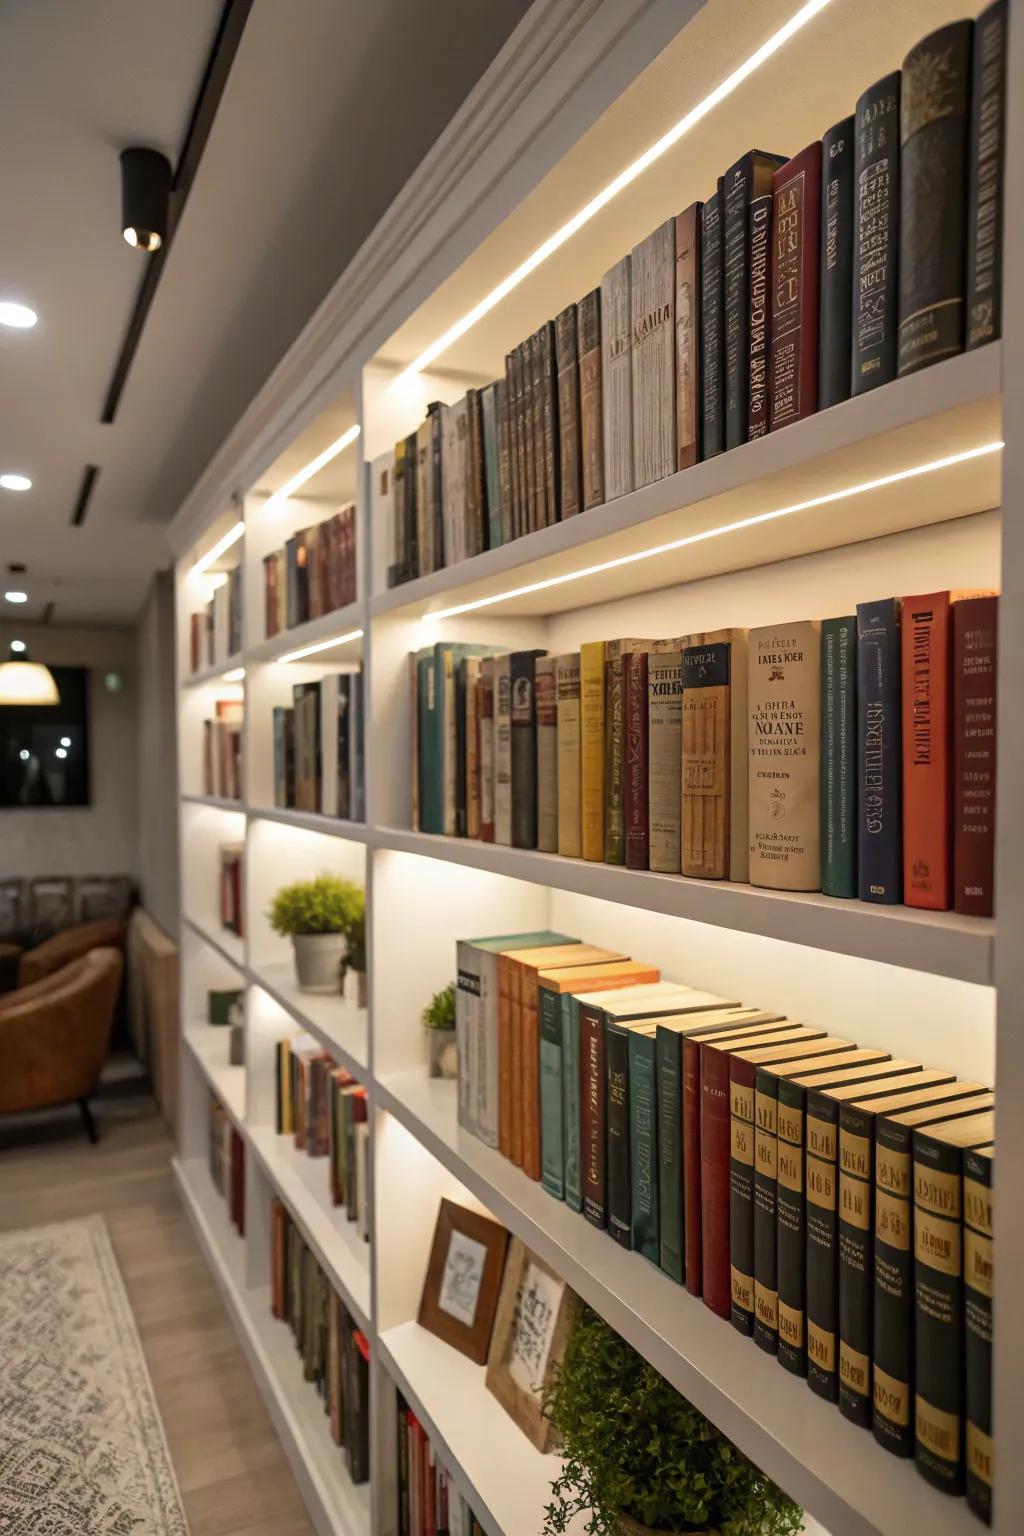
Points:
point(714, 757)
point(760, 328)
point(712, 325)
point(486, 719)
point(547, 753)
point(974, 754)
point(617, 378)
point(549, 421)
point(505, 461)
point(927, 750)
point(880, 796)
point(665, 755)
point(796, 240)
point(837, 155)
point(567, 686)
point(634, 666)
point(524, 748)
point(568, 377)
point(688, 336)
point(616, 653)
point(588, 326)
point(511, 436)
point(839, 756)
point(750, 178)
point(986, 153)
point(978, 1281)
point(538, 419)
point(876, 208)
point(592, 749)
point(784, 779)
point(653, 307)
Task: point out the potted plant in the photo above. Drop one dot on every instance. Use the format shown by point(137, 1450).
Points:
point(355, 957)
point(640, 1459)
point(438, 1019)
point(318, 916)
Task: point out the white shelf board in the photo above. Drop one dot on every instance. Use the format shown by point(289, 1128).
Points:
point(214, 674)
point(336, 1506)
point(302, 1183)
point(506, 1488)
point(943, 410)
point(310, 821)
point(227, 944)
point(829, 1466)
point(940, 943)
point(334, 1020)
point(217, 802)
point(340, 622)
point(209, 1044)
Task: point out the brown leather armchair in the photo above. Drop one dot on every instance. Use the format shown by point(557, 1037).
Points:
point(55, 953)
point(54, 1035)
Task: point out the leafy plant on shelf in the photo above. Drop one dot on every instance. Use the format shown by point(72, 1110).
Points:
point(327, 904)
point(440, 1011)
point(638, 1456)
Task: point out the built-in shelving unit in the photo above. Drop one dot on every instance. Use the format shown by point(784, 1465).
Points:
point(898, 491)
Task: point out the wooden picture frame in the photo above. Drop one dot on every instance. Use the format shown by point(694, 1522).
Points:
point(463, 1280)
point(536, 1334)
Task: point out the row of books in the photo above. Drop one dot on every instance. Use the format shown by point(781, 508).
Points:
point(222, 750)
point(855, 755)
point(318, 748)
point(812, 1191)
point(872, 253)
point(429, 1502)
point(335, 1354)
point(226, 1156)
point(324, 1109)
point(232, 888)
point(215, 631)
point(314, 574)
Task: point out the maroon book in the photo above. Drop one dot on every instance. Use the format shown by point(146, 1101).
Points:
point(270, 603)
point(974, 753)
point(592, 1116)
point(796, 239)
point(238, 1182)
point(634, 666)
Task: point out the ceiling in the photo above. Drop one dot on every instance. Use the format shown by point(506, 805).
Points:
point(329, 107)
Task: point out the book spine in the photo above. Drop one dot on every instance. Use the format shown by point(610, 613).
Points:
point(592, 1115)
point(790, 1229)
point(529, 438)
point(712, 321)
point(927, 790)
point(838, 762)
point(467, 1024)
point(933, 191)
point(503, 526)
point(486, 713)
point(692, 1223)
point(837, 150)
point(643, 1144)
point(551, 1122)
point(503, 751)
point(530, 1074)
point(879, 838)
point(784, 781)
point(462, 750)
point(567, 768)
point(547, 753)
point(822, 1224)
point(759, 326)
point(938, 1320)
point(453, 759)
point(715, 1143)
point(571, 1110)
point(491, 414)
point(893, 1299)
point(592, 732)
point(978, 1278)
point(617, 1169)
point(669, 1120)
point(614, 754)
point(653, 356)
point(636, 745)
point(616, 368)
point(549, 411)
point(706, 759)
point(974, 754)
point(985, 179)
point(514, 481)
point(486, 1051)
point(473, 746)
point(766, 1175)
point(664, 759)
point(591, 405)
point(741, 1196)
point(875, 235)
point(567, 363)
point(736, 196)
point(688, 337)
point(855, 1223)
point(516, 1061)
point(796, 237)
point(537, 416)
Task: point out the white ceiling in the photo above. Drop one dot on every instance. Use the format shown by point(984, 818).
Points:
point(330, 106)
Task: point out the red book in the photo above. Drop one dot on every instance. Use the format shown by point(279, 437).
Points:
point(796, 238)
point(238, 1182)
point(634, 666)
point(974, 753)
point(927, 787)
point(350, 555)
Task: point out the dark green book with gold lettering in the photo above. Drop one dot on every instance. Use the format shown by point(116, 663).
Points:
point(978, 1276)
point(839, 756)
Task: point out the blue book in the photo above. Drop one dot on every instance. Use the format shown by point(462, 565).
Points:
point(879, 758)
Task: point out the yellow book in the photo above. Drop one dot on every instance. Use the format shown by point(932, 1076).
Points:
point(592, 749)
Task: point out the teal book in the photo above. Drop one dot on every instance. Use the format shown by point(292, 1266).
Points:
point(839, 756)
point(643, 1142)
point(671, 1232)
point(552, 1118)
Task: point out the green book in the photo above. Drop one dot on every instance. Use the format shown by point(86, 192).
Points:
point(429, 739)
point(839, 756)
point(643, 1142)
point(552, 1119)
point(220, 1003)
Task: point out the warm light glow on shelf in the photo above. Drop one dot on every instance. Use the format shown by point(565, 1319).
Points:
point(312, 468)
point(714, 533)
point(232, 536)
point(655, 151)
point(321, 645)
point(234, 676)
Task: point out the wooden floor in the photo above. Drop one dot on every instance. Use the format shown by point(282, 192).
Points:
point(230, 1466)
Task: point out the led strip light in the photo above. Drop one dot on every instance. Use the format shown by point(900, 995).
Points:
point(312, 468)
point(321, 645)
point(232, 536)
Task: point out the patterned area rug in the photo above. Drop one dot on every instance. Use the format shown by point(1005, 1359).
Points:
point(82, 1448)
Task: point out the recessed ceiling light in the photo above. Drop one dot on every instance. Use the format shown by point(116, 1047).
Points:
point(24, 754)
point(16, 597)
point(18, 316)
point(17, 646)
point(60, 752)
point(65, 741)
point(15, 482)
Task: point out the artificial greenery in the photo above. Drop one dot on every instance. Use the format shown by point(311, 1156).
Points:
point(327, 904)
point(634, 1446)
point(356, 934)
point(440, 1011)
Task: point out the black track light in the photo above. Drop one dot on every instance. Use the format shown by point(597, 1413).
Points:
point(145, 197)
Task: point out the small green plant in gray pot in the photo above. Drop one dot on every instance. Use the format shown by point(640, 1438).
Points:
point(439, 1022)
point(318, 916)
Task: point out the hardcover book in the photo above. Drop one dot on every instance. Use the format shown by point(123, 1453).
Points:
point(490, 417)
point(535, 400)
point(978, 1280)
point(469, 693)
point(429, 560)
point(652, 306)
point(750, 178)
point(875, 235)
point(503, 750)
point(796, 241)
point(714, 755)
point(838, 756)
point(879, 834)
point(514, 467)
point(635, 797)
point(933, 184)
point(524, 748)
point(616, 655)
point(588, 316)
point(760, 313)
point(567, 364)
point(665, 755)
point(506, 460)
point(784, 780)
point(688, 336)
point(712, 323)
point(549, 421)
point(486, 717)
point(617, 378)
point(974, 753)
point(927, 750)
point(592, 749)
point(986, 150)
point(567, 692)
point(546, 705)
point(837, 156)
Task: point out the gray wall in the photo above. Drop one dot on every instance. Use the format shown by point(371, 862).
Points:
point(158, 755)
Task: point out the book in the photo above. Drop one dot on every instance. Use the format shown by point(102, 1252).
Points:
point(938, 1296)
point(524, 748)
point(568, 376)
point(546, 708)
point(477, 518)
point(712, 323)
point(617, 378)
point(506, 461)
point(986, 150)
point(538, 480)
point(429, 558)
point(405, 487)
point(926, 675)
point(974, 754)
point(749, 179)
point(879, 796)
point(549, 421)
point(454, 473)
point(485, 713)
point(635, 794)
point(838, 756)
point(796, 241)
point(664, 756)
point(588, 318)
point(592, 749)
point(503, 751)
point(876, 182)
point(891, 1273)
point(934, 119)
point(760, 323)
point(784, 779)
point(688, 336)
point(978, 1281)
point(567, 768)
point(512, 435)
point(714, 755)
point(469, 673)
point(836, 298)
point(652, 311)
point(490, 416)
point(616, 653)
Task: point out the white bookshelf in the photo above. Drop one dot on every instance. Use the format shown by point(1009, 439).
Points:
point(583, 90)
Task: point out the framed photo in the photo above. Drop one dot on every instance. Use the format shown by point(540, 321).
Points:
point(460, 1292)
point(535, 1313)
